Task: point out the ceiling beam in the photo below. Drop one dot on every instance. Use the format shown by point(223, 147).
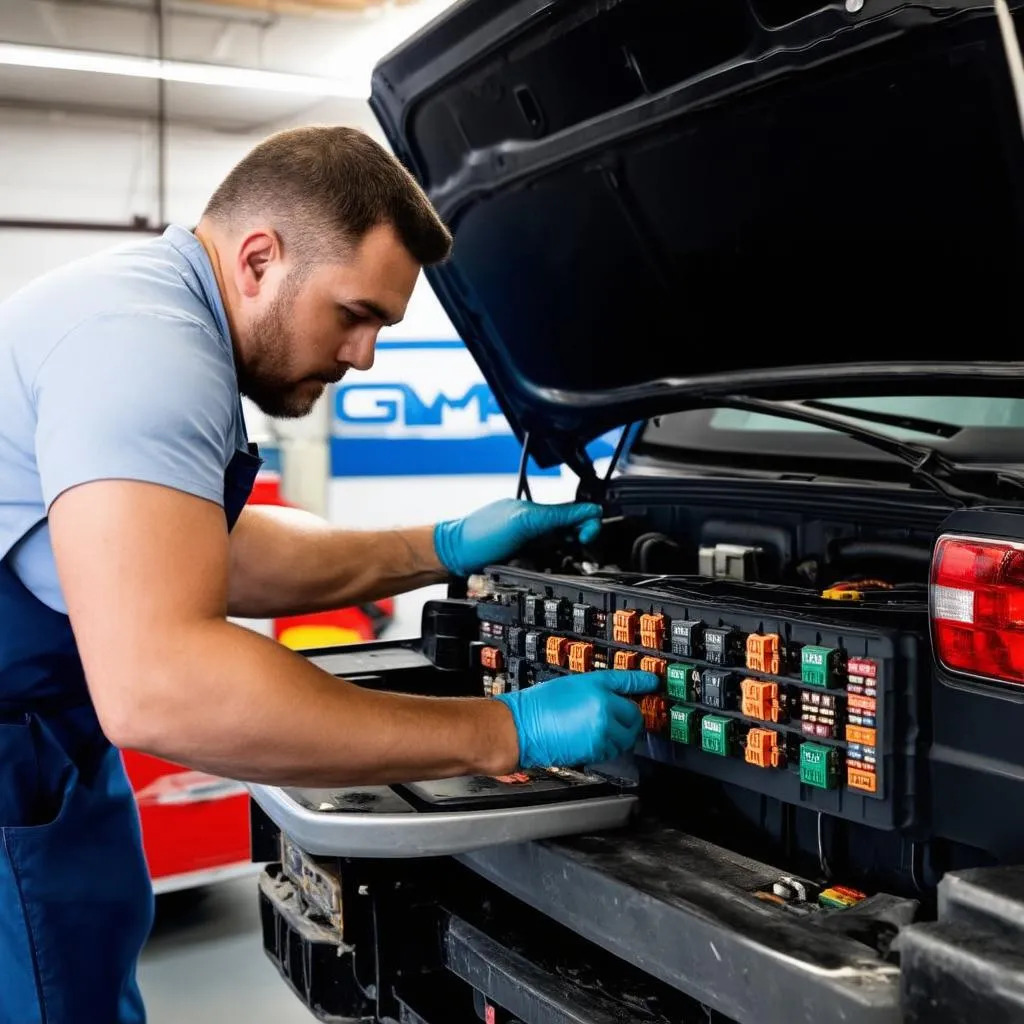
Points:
point(306, 6)
point(202, 9)
point(138, 116)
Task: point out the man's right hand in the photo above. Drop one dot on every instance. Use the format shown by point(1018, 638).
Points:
point(578, 719)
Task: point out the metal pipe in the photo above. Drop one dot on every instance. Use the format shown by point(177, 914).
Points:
point(203, 11)
point(161, 119)
point(27, 224)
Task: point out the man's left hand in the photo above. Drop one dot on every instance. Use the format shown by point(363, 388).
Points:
point(497, 531)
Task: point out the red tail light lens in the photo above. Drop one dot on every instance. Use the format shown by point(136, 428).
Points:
point(977, 607)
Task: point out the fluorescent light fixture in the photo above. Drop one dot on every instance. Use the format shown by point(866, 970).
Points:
point(25, 56)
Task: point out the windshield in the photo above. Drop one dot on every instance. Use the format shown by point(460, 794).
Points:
point(989, 429)
point(957, 411)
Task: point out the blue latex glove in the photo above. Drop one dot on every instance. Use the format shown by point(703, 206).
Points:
point(497, 531)
point(578, 719)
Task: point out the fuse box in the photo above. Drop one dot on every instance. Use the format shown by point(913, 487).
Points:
point(803, 708)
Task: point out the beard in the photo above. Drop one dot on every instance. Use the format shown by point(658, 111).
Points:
point(265, 376)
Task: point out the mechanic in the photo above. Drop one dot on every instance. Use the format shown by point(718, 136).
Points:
point(124, 546)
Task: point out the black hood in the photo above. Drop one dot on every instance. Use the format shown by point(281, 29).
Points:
point(655, 201)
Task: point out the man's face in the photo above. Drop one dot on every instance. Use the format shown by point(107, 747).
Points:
point(305, 330)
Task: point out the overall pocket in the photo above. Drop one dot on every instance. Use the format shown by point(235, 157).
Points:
point(31, 793)
point(75, 894)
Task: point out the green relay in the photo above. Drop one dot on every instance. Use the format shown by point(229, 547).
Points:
point(821, 666)
point(819, 765)
point(682, 724)
point(679, 679)
point(716, 734)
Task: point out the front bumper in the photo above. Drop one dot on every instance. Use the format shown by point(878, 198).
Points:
point(675, 917)
point(630, 936)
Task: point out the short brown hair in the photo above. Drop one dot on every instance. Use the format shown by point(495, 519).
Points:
point(310, 179)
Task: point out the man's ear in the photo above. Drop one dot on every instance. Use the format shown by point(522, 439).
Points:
point(257, 252)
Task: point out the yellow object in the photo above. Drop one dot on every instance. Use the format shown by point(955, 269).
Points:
point(304, 638)
point(834, 594)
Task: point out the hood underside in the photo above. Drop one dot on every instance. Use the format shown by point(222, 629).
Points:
point(654, 201)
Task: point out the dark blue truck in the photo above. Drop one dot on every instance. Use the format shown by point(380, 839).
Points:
point(772, 240)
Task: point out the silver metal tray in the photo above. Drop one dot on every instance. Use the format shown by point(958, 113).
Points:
point(377, 821)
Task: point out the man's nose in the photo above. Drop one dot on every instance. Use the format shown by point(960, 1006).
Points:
point(359, 352)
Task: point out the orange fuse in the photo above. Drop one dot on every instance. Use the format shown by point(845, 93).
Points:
point(624, 627)
point(625, 659)
point(652, 631)
point(490, 657)
point(760, 700)
point(581, 657)
point(763, 652)
point(762, 749)
point(654, 708)
point(557, 649)
point(656, 665)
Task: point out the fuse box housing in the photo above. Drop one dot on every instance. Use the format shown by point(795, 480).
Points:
point(816, 710)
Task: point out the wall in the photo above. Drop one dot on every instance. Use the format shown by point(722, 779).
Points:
point(60, 166)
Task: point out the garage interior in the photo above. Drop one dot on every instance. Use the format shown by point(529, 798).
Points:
point(118, 117)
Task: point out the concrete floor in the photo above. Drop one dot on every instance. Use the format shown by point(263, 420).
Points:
point(205, 964)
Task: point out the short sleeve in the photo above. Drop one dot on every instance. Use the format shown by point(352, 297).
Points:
point(148, 397)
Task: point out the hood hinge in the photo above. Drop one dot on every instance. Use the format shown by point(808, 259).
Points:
point(591, 486)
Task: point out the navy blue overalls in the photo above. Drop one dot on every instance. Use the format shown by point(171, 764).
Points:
point(76, 901)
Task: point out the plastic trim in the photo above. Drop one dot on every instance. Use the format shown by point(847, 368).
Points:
point(435, 834)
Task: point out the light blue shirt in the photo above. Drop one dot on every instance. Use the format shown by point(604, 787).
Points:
point(116, 366)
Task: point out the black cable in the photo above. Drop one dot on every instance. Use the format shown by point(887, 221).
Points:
point(523, 485)
point(823, 863)
point(618, 451)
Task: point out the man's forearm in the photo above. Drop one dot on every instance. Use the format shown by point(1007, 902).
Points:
point(289, 562)
point(277, 719)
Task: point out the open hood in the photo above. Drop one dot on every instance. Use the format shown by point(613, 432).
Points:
point(655, 201)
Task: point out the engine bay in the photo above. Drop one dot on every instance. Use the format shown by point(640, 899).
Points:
point(816, 803)
point(775, 546)
point(792, 721)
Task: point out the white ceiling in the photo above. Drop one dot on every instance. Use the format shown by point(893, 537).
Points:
point(338, 45)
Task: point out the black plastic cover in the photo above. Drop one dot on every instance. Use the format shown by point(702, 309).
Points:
point(448, 628)
point(312, 960)
point(475, 792)
point(968, 965)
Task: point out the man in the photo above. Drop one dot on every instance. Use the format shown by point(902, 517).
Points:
point(124, 546)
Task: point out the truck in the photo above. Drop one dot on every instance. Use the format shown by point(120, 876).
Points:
point(755, 235)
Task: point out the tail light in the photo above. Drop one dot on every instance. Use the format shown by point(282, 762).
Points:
point(977, 607)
